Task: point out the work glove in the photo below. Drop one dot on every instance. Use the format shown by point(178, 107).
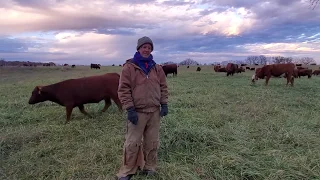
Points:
point(132, 115)
point(164, 110)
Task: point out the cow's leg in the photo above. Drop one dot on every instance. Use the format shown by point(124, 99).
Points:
point(81, 108)
point(292, 81)
point(107, 104)
point(118, 103)
point(69, 111)
point(267, 80)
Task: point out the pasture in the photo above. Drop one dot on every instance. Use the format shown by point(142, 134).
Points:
point(218, 127)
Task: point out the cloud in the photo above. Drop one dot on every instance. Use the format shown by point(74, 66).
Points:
point(106, 32)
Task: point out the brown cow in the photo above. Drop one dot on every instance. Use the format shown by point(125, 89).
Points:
point(302, 67)
point(170, 68)
point(275, 70)
point(240, 69)
point(216, 68)
point(305, 72)
point(77, 92)
point(231, 68)
point(316, 72)
point(198, 68)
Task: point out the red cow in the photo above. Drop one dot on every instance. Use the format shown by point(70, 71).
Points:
point(170, 68)
point(305, 72)
point(77, 92)
point(240, 69)
point(275, 70)
point(316, 72)
point(231, 68)
point(216, 68)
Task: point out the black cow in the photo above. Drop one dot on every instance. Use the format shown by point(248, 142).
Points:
point(95, 66)
point(170, 68)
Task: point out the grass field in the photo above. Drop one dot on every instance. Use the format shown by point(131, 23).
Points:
point(218, 127)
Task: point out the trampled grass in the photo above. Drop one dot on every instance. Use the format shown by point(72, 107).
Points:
point(218, 127)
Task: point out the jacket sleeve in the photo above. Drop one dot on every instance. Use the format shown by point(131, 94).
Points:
point(163, 87)
point(124, 89)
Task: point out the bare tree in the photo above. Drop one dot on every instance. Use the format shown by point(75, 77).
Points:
point(189, 61)
point(282, 60)
point(256, 59)
point(314, 3)
point(305, 60)
point(169, 62)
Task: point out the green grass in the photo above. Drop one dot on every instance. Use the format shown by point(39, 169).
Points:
point(218, 127)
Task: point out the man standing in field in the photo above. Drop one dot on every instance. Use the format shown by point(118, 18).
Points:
point(143, 92)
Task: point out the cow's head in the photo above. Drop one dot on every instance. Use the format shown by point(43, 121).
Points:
point(253, 78)
point(38, 95)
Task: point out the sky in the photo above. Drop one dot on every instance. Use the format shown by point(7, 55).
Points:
point(106, 31)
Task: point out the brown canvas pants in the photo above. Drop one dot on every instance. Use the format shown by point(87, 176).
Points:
point(142, 143)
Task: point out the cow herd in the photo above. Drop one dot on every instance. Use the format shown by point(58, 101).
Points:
point(289, 70)
point(73, 93)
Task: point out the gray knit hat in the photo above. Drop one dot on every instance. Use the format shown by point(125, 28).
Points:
point(143, 41)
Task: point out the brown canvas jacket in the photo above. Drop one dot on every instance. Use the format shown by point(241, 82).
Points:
point(145, 92)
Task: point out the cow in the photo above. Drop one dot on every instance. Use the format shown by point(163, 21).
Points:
point(243, 64)
point(187, 66)
point(231, 68)
point(316, 72)
point(305, 72)
point(95, 66)
point(302, 67)
point(216, 68)
point(252, 69)
point(240, 69)
point(298, 64)
point(275, 70)
point(73, 66)
point(223, 69)
point(198, 68)
point(170, 68)
point(73, 93)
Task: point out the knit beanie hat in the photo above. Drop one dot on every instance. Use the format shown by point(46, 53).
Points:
point(143, 41)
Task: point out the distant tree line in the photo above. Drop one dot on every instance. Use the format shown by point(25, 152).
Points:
point(255, 60)
point(24, 63)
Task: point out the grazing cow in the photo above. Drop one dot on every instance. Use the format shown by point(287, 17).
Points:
point(275, 70)
point(302, 67)
point(95, 66)
point(170, 68)
point(223, 69)
point(73, 66)
point(252, 69)
point(305, 72)
point(66, 65)
point(231, 68)
point(77, 92)
point(216, 68)
point(240, 69)
point(316, 72)
point(198, 68)
point(247, 67)
point(256, 64)
point(298, 64)
point(243, 64)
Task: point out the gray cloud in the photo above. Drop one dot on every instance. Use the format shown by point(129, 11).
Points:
point(177, 3)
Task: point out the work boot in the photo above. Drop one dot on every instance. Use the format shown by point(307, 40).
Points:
point(125, 178)
point(148, 172)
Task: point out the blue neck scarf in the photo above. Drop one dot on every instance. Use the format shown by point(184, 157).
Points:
point(144, 63)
